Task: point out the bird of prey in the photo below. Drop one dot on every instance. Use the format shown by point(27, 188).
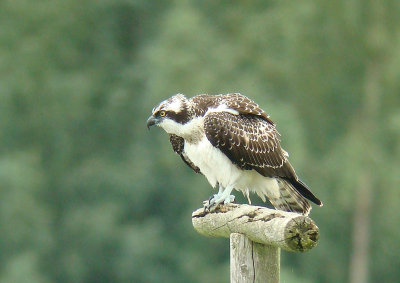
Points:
point(231, 141)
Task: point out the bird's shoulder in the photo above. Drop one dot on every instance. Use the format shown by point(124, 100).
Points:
point(204, 104)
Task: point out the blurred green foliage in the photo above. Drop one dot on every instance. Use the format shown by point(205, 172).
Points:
point(87, 194)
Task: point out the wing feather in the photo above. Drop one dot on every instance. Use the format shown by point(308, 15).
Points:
point(249, 141)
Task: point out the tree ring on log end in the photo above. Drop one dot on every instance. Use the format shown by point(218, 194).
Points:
point(301, 234)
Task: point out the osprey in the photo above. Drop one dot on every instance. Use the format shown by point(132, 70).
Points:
point(235, 145)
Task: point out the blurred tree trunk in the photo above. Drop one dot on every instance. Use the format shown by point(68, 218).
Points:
point(359, 260)
point(376, 41)
point(360, 254)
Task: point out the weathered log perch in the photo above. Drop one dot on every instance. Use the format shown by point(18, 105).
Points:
point(286, 230)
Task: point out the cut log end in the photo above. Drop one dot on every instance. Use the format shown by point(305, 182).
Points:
point(301, 234)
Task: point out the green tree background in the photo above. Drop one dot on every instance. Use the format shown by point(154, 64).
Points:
point(87, 194)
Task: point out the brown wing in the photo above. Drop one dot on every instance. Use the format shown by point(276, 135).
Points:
point(178, 145)
point(236, 101)
point(249, 141)
point(245, 105)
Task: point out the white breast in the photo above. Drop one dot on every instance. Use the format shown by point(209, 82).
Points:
point(212, 163)
point(217, 168)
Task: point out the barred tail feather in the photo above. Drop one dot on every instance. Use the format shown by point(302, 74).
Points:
point(290, 199)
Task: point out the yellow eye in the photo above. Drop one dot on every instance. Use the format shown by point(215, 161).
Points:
point(162, 113)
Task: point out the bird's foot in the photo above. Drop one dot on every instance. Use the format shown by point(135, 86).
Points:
point(212, 203)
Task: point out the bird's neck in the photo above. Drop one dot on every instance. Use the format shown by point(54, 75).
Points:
point(192, 131)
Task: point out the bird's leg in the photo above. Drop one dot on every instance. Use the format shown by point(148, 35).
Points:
point(214, 196)
point(224, 195)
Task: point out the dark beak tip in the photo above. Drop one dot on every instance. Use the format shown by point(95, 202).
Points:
point(151, 122)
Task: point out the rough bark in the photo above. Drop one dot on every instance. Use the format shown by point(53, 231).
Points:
point(286, 230)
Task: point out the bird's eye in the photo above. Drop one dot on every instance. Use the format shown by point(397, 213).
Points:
point(162, 113)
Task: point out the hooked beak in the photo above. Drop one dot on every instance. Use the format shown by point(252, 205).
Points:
point(151, 121)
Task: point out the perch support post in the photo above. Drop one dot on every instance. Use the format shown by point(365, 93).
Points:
point(256, 236)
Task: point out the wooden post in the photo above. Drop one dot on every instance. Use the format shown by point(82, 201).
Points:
point(253, 262)
point(256, 236)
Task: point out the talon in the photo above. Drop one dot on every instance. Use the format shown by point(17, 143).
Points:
point(212, 207)
point(212, 197)
point(210, 204)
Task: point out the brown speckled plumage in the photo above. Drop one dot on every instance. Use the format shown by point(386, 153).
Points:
point(244, 133)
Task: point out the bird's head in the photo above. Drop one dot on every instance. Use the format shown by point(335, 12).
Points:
point(171, 114)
